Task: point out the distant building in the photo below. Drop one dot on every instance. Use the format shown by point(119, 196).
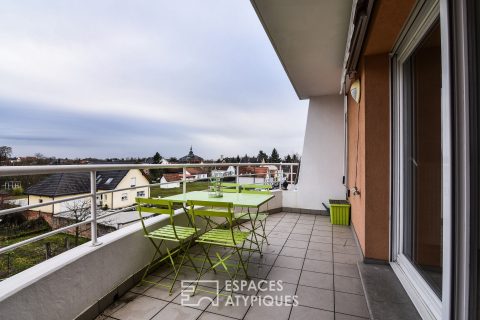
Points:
point(262, 174)
point(225, 172)
point(64, 185)
point(190, 158)
point(196, 173)
point(171, 180)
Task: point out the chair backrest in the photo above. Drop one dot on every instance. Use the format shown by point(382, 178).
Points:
point(255, 187)
point(257, 191)
point(229, 187)
point(211, 209)
point(155, 206)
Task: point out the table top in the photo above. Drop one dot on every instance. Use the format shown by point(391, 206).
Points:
point(246, 200)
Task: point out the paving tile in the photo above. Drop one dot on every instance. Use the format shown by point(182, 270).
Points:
point(140, 308)
point(212, 316)
point(345, 249)
point(276, 312)
point(161, 292)
point(143, 285)
point(321, 233)
point(120, 303)
point(346, 270)
point(322, 227)
point(293, 252)
point(305, 313)
point(278, 234)
point(345, 242)
point(318, 266)
point(302, 231)
point(349, 285)
point(289, 262)
point(319, 255)
point(316, 279)
point(271, 249)
point(341, 316)
point(296, 244)
point(320, 246)
point(321, 239)
point(276, 241)
point(315, 298)
point(267, 259)
point(346, 258)
point(351, 304)
point(297, 236)
point(284, 274)
point(224, 307)
point(177, 312)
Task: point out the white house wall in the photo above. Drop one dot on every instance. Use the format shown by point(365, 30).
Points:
point(322, 166)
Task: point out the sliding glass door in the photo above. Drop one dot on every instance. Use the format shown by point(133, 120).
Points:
point(420, 156)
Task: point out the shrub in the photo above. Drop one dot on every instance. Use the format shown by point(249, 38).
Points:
point(17, 191)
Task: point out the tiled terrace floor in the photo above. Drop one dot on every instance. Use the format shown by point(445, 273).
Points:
point(315, 260)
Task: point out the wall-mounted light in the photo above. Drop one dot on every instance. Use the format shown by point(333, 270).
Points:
point(355, 91)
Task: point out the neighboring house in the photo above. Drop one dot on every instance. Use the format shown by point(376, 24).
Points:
point(64, 185)
point(195, 173)
point(250, 175)
point(171, 180)
point(226, 172)
point(10, 185)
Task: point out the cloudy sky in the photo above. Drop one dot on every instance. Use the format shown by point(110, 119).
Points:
point(128, 78)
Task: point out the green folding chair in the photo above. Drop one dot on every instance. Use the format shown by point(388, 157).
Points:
point(229, 187)
point(228, 238)
point(257, 219)
point(182, 236)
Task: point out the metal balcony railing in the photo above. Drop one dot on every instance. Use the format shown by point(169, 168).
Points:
point(92, 169)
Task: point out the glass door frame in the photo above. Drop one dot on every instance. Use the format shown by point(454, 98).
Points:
point(425, 14)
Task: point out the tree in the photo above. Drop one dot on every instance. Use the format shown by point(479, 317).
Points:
point(288, 159)
point(79, 210)
point(296, 157)
point(275, 158)
point(237, 159)
point(5, 153)
point(157, 157)
point(262, 156)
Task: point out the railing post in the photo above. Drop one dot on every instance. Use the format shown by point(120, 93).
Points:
point(238, 175)
point(93, 207)
point(291, 174)
point(184, 180)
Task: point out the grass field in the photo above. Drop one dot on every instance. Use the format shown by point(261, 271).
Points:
point(191, 186)
point(31, 254)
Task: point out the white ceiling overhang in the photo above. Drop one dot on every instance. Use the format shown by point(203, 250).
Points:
point(309, 37)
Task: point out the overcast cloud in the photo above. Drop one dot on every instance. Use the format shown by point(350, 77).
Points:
point(128, 78)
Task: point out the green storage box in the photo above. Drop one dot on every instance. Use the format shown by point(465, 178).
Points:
point(339, 212)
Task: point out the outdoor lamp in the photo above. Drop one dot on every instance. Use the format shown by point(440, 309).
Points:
point(355, 90)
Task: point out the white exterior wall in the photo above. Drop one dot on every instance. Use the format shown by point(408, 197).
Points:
point(322, 165)
point(115, 201)
point(53, 208)
point(168, 185)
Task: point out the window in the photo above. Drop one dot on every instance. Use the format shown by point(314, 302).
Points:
point(124, 196)
point(109, 180)
point(140, 194)
point(133, 182)
point(422, 241)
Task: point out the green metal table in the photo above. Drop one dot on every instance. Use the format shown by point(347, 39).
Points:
point(242, 200)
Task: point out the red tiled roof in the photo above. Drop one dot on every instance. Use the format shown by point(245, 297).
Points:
point(173, 177)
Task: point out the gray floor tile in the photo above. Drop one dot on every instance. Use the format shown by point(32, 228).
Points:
point(201, 300)
point(321, 233)
point(301, 237)
point(319, 255)
point(346, 270)
point(224, 307)
point(289, 262)
point(120, 303)
point(296, 244)
point(277, 292)
point(212, 316)
point(139, 309)
point(305, 313)
point(257, 312)
point(284, 274)
point(320, 246)
point(177, 312)
point(293, 252)
point(346, 258)
point(321, 239)
point(347, 284)
point(278, 234)
point(271, 249)
point(316, 279)
point(315, 298)
point(345, 249)
point(351, 304)
point(341, 316)
point(318, 266)
point(161, 292)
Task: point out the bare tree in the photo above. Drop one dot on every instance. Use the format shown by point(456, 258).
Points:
point(5, 153)
point(78, 210)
